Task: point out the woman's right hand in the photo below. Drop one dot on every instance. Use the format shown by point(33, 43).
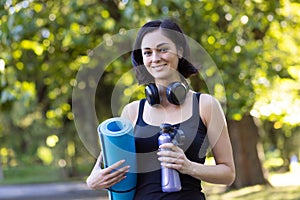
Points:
point(105, 178)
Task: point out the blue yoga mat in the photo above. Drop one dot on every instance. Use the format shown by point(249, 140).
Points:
point(117, 143)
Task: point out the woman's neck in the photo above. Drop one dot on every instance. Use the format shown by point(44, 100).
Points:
point(166, 82)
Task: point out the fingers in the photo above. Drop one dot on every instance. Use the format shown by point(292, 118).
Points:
point(115, 177)
point(112, 175)
point(167, 159)
point(105, 178)
point(172, 162)
point(115, 165)
point(174, 158)
point(113, 172)
point(171, 165)
point(175, 150)
point(171, 146)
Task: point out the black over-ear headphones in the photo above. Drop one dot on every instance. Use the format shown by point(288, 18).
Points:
point(175, 92)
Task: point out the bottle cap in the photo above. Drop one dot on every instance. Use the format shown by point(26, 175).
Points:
point(166, 128)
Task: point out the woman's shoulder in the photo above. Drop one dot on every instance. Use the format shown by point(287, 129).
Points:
point(131, 110)
point(132, 105)
point(208, 105)
point(205, 99)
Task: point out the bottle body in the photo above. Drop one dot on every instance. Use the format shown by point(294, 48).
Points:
point(170, 180)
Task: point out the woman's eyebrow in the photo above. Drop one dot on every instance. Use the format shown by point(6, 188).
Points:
point(162, 44)
point(157, 46)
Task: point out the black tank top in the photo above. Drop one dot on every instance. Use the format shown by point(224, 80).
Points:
point(149, 175)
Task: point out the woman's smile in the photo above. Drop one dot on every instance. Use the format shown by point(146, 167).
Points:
point(158, 66)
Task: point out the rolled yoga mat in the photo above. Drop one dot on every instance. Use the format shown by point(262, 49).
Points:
point(117, 143)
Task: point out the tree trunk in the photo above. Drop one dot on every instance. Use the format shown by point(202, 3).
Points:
point(244, 136)
point(1, 171)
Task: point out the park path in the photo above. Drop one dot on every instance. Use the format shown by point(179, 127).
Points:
point(80, 191)
point(51, 191)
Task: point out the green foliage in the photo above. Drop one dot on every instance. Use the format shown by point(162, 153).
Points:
point(43, 44)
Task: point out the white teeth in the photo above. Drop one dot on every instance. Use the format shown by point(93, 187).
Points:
point(158, 66)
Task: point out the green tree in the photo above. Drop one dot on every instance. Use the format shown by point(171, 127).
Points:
point(43, 44)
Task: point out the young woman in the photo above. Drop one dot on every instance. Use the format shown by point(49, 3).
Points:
point(160, 58)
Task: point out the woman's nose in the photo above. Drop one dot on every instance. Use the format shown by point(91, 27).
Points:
point(155, 56)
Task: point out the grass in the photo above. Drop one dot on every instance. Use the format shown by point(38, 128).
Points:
point(285, 186)
point(35, 174)
point(259, 193)
point(32, 174)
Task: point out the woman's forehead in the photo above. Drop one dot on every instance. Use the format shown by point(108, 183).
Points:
point(155, 39)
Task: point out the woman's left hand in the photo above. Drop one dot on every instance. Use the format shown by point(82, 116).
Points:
point(172, 156)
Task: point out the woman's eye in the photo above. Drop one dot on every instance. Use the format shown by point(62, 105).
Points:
point(163, 50)
point(147, 53)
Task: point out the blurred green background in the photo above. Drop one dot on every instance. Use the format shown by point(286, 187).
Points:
point(254, 43)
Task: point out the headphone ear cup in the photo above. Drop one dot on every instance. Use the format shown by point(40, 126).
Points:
point(152, 94)
point(176, 93)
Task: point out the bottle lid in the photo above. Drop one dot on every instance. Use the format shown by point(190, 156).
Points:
point(166, 128)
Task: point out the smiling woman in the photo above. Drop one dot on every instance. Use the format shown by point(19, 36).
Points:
point(161, 60)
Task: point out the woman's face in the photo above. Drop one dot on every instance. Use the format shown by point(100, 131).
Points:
point(160, 55)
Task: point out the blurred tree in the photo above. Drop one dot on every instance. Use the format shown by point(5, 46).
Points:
point(43, 44)
point(280, 103)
